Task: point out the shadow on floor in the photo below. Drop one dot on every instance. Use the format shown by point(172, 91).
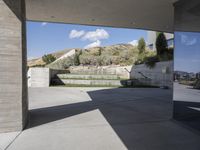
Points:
point(141, 121)
point(188, 113)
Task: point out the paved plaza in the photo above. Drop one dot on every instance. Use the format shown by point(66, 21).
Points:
point(102, 119)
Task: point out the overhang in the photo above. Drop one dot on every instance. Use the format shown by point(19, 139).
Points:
point(143, 14)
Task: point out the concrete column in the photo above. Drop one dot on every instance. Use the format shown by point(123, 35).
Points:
point(13, 84)
point(187, 19)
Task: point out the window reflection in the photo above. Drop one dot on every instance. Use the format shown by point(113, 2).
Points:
point(187, 75)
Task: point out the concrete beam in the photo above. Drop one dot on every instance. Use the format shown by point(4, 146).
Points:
point(187, 15)
point(143, 14)
point(13, 84)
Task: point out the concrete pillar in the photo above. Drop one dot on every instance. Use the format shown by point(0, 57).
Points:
point(187, 16)
point(13, 84)
point(187, 19)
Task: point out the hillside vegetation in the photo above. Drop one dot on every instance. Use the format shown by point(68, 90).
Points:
point(121, 54)
point(39, 61)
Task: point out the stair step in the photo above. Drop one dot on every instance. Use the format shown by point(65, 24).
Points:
point(88, 77)
point(88, 82)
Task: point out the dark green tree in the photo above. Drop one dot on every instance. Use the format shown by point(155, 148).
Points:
point(161, 44)
point(141, 45)
point(48, 58)
point(100, 51)
point(76, 59)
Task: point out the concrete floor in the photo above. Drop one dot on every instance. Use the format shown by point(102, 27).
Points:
point(186, 93)
point(187, 105)
point(103, 119)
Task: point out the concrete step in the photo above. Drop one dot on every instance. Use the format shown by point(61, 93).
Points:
point(88, 77)
point(87, 82)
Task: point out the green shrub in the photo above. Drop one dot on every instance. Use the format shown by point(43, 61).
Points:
point(76, 59)
point(141, 45)
point(48, 58)
point(150, 62)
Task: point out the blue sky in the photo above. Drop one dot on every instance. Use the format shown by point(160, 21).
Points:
point(187, 52)
point(44, 38)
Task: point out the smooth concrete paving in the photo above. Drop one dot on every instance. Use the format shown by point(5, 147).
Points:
point(186, 93)
point(103, 119)
point(7, 138)
point(187, 105)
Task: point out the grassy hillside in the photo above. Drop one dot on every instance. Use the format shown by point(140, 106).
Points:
point(120, 54)
point(40, 62)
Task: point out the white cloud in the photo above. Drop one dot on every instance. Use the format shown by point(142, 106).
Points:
point(76, 34)
point(94, 44)
point(96, 35)
point(134, 42)
point(188, 40)
point(44, 24)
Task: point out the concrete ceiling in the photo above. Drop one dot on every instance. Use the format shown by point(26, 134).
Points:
point(144, 14)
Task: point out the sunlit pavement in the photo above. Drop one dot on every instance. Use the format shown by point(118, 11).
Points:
point(103, 119)
point(186, 93)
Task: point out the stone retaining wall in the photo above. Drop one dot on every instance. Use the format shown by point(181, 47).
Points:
point(121, 71)
point(160, 75)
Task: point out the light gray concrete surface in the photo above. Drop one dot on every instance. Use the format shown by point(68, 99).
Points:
point(158, 14)
point(187, 104)
point(38, 77)
point(13, 89)
point(183, 19)
point(103, 119)
point(7, 138)
point(185, 93)
point(86, 76)
point(120, 71)
point(160, 75)
point(91, 82)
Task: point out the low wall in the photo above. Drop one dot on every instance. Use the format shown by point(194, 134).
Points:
point(160, 75)
point(89, 82)
point(86, 77)
point(38, 77)
point(41, 77)
point(102, 70)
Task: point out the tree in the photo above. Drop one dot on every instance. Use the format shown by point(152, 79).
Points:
point(76, 59)
point(141, 45)
point(161, 44)
point(48, 58)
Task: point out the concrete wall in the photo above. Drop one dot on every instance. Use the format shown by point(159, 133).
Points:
point(160, 75)
point(92, 82)
point(13, 89)
point(39, 77)
point(86, 77)
point(102, 70)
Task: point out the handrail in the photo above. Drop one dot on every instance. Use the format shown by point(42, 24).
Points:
point(144, 75)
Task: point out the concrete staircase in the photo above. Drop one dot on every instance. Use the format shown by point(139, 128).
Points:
point(87, 80)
